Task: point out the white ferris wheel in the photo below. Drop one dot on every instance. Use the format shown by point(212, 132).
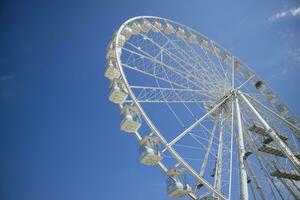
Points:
point(201, 115)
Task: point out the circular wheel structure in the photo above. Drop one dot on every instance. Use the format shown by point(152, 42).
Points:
point(215, 128)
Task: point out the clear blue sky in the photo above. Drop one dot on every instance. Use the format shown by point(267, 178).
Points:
point(59, 134)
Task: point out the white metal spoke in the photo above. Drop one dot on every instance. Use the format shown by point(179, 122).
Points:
point(181, 135)
point(218, 171)
point(203, 166)
point(157, 94)
point(176, 59)
point(179, 75)
point(181, 85)
point(195, 57)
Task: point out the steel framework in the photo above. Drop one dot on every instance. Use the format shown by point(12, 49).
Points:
point(206, 108)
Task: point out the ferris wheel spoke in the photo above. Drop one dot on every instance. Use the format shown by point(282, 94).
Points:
point(188, 146)
point(199, 60)
point(207, 140)
point(189, 78)
point(183, 52)
point(201, 144)
point(181, 135)
point(196, 56)
point(177, 59)
point(185, 158)
point(176, 116)
point(220, 63)
point(180, 85)
point(162, 65)
point(218, 170)
point(180, 97)
point(164, 98)
point(211, 63)
point(164, 101)
point(158, 94)
point(183, 56)
point(196, 66)
point(169, 89)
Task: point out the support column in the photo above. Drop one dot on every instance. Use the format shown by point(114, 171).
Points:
point(241, 153)
point(203, 166)
point(284, 148)
point(218, 172)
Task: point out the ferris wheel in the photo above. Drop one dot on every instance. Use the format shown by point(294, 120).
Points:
point(214, 127)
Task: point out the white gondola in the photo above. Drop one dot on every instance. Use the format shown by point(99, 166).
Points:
point(192, 38)
point(156, 27)
point(127, 32)
point(227, 59)
point(203, 43)
point(260, 86)
point(168, 29)
point(271, 97)
point(282, 110)
point(121, 41)
point(110, 51)
point(111, 70)
point(216, 51)
point(131, 119)
point(247, 74)
point(180, 32)
point(146, 26)
point(177, 186)
point(135, 28)
point(118, 93)
point(175, 171)
point(150, 151)
point(238, 66)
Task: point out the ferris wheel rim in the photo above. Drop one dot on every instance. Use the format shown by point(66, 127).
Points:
point(145, 115)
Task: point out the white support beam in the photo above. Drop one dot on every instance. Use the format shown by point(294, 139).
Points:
point(231, 149)
point(218, 172)
point(281, 144)
point(211, 139)
point(181, 135)
point(241, 153)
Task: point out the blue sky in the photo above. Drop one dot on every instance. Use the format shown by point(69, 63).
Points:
point(59, 134)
